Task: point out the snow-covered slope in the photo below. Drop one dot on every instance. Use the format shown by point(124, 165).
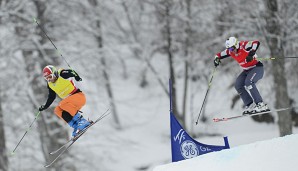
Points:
point(272, 155)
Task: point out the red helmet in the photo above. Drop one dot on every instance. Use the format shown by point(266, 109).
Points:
point(49, 70)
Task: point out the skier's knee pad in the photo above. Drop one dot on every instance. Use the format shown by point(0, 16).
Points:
point(249, 84)
point(249, 87)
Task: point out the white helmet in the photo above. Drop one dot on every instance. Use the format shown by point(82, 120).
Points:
point(232, 42)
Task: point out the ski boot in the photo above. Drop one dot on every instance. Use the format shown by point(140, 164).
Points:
point(78, 123)
point(261, 107)
point(82, 124)
point(249, 109)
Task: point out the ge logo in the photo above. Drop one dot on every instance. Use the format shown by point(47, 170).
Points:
point(189, 149)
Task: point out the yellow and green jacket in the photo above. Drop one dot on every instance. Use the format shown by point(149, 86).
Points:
point(64, 86)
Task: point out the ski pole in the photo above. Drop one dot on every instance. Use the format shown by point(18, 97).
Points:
point(288, 57)
point(13, 152)
point(273, 58)
point(54, 45)
point(51, 41)
point(209, 85)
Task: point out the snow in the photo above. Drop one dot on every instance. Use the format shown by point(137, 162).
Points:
point(275, 155)
point(143, 143)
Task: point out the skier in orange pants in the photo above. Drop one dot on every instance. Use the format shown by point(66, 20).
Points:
point(61, 83)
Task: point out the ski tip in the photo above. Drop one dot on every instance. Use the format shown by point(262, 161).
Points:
point(215, 119)
point(48, 165)
point(218, 119)
point(12, 153)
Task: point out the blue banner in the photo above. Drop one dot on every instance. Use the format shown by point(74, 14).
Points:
point(185, 147)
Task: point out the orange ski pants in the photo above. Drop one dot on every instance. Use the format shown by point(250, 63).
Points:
point(71, 104)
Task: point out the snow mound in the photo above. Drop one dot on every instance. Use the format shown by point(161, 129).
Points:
point(274, 155)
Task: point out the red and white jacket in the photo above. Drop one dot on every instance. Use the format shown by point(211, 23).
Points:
point(242, 52)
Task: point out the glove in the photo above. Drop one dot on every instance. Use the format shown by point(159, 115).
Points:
point(78, 78)
point(216, 61)
point(41, 108)
point(250, 55)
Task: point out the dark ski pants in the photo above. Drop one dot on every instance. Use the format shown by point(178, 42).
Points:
point(246, 81)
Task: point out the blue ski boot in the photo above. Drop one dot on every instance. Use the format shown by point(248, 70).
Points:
point(82, 124)
point(74, 123)
point(78, 123)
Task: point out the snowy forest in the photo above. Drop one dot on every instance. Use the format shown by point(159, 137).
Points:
point(126, 51)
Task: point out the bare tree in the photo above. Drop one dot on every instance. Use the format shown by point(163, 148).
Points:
point(187, 53)
point(94, 28)
point(3, 150)
point(274, 38)
point(164, 15)
point(51, 131)
point(105, 73)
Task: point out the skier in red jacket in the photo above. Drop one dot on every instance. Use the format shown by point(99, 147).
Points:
point(244, 52)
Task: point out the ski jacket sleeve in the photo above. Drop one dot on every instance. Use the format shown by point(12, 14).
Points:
point(251, 45)
point(223, 54)
point(67, 73)
point(51, 98)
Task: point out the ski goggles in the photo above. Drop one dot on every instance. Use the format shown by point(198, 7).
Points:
point(49, 77)
point(232, 48)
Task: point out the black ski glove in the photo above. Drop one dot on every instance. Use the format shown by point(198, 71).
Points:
point(216, 61)
point(41, 108)
point(250, 55)
point(78, 78)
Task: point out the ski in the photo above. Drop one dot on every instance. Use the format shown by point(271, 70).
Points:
point(73, 138)
point(70, 142)
point(254, 114)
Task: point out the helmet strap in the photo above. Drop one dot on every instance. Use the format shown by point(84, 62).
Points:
point(56, 74)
